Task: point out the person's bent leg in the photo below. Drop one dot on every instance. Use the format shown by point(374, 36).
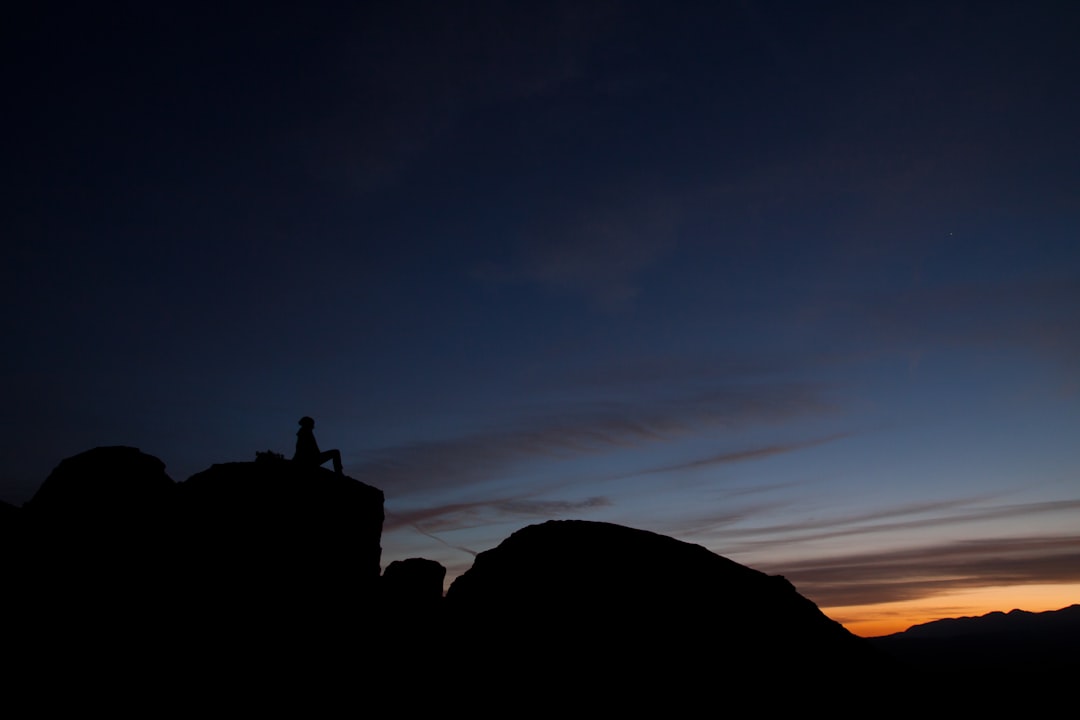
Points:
point(334, 455)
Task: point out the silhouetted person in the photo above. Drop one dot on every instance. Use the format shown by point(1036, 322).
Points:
point(307, 450)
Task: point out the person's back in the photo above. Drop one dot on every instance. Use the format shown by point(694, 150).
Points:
point(307, 449)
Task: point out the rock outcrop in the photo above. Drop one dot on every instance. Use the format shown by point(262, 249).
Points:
point(105, 485)
point(599, 601)
point(280, 529)
point(271, 570)
point(415, 583)
point(248, 559)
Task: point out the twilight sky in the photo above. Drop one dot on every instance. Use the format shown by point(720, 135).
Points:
point(795, 281)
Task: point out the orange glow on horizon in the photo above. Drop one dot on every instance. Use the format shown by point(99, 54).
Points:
point(889, 618)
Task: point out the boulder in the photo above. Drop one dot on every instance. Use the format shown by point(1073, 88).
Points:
point(591, 601)
point(243, 557)
point(414, 582)
point(105, 485)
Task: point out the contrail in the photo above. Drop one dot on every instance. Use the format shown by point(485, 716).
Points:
point(436, 538)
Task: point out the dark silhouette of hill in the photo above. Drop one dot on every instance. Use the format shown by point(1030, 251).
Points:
point(650, 606)
point(1011, 646)
point(253, 577)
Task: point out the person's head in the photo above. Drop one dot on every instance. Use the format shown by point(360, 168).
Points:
point(306, 422)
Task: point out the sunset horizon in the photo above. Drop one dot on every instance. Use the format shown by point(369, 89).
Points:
point(794, 282)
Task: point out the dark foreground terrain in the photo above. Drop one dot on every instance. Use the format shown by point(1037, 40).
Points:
point(258, 585)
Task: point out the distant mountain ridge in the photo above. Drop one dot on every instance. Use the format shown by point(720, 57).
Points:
point(997, 622)
point(1016, 643)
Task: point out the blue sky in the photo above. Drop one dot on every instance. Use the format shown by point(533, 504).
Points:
point(797, 282)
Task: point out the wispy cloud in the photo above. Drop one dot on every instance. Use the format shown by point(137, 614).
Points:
point(547, 508)
point(658, 368)
point(457, 516)
point(435, 522)
point(590, 428)
point(602, 252)
point(736, 456)
point(871, 523)
point(1032, 314)
point(403, 85)
point(910, 574)
point(895, 574)
point(594, 245)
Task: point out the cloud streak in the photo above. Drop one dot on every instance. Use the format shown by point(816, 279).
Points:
point(1031, 314)
point(457, 516)
point(403, 85)
point(914, 573)
point(737, 456)
point(601, 252)
point(486, 455)
point(430, 521)
point(871, 523)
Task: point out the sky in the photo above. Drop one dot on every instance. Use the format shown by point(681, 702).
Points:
point(794, 281)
